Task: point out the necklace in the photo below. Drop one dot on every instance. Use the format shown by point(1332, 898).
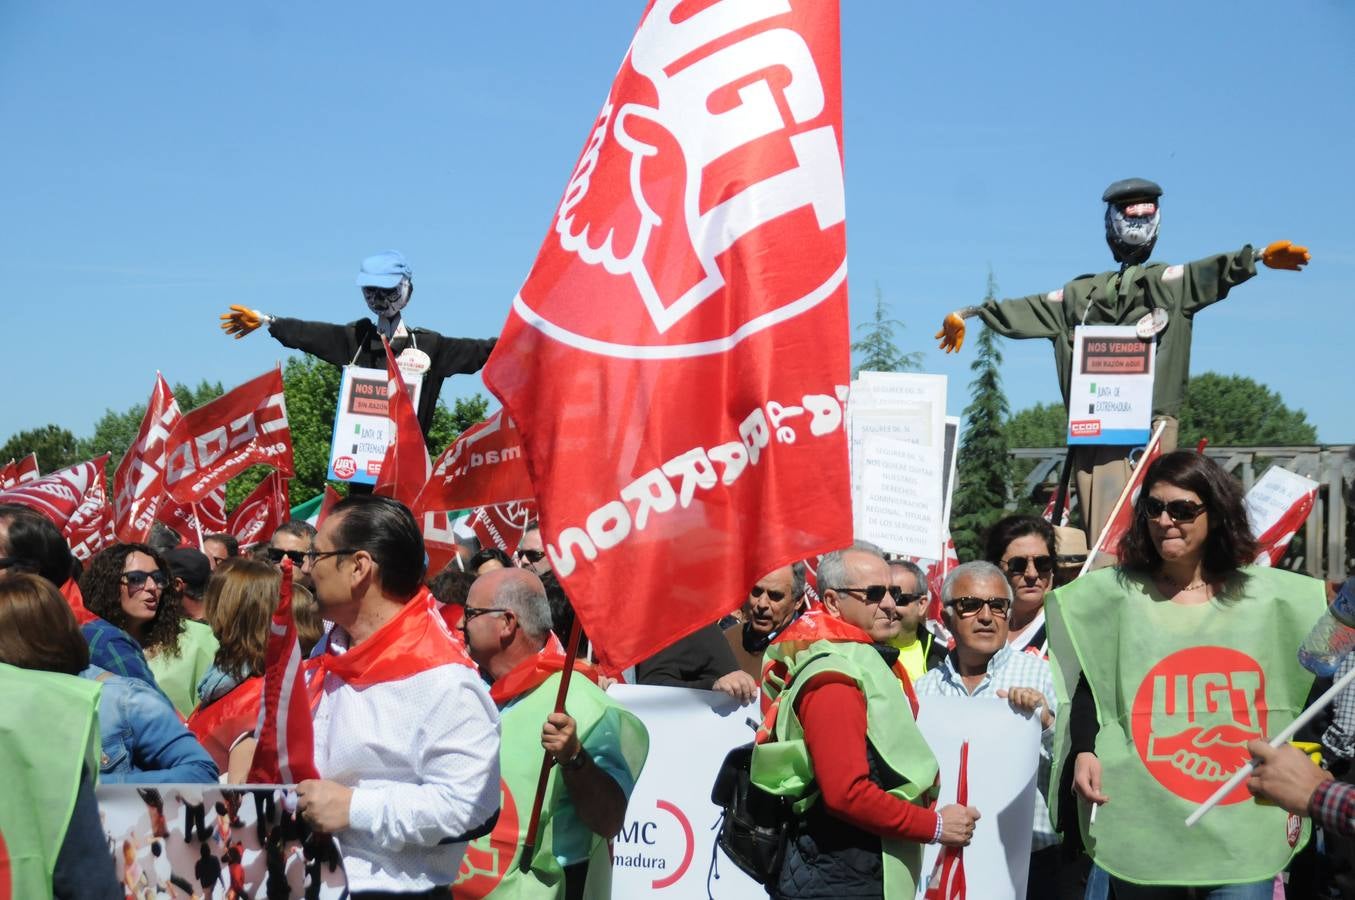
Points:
point(1167, 579)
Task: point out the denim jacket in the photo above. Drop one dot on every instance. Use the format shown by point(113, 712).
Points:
point(143, 739)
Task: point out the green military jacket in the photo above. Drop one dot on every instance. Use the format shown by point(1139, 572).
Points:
point(1112, 298)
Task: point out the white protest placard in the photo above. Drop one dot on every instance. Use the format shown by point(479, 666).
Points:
point(1110, 399)
point(1004, 756)
point(198, 840)
point(361, 429)
point(897, 435)
point(664, 848)
point(1277, 506)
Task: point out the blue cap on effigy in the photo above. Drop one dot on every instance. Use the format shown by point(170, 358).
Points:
point(383, 270)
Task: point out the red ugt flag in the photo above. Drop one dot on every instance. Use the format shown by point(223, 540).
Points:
point(260, 514)
point(483, 466)
point(139, 482)
point(677, 358)
point(215, 442)
point(62, 494)
point(286, 750)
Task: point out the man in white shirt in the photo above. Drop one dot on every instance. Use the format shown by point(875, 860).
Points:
point(405, 732)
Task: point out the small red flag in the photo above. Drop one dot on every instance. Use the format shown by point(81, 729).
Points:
point(947, 881)
point(139, 482)
point(677, 359)
point(331, 498)
point(405, 467)
point(260, 514)
point(217, 441)
point(483, 466)
point(27, 469)
point(286, 750)
point(1123, 519)
point(207, 516)
point(502, 525)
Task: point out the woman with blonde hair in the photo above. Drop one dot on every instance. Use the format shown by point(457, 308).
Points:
point(239, 603)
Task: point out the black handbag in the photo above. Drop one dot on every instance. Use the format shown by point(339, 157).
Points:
point(755, 826)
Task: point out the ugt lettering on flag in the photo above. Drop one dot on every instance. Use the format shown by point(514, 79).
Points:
point(677, 359)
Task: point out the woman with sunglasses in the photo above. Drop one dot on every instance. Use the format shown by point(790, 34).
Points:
point(1023, 548)
point(129, 585)
point(1174, 660)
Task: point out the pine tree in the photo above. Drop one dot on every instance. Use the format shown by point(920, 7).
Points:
point(879, 352)
point(984, 468)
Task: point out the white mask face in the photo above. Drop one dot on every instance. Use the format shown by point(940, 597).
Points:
point(1132, 231)
point(387, 302)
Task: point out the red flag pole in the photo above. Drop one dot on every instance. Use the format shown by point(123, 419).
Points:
point(529, 847)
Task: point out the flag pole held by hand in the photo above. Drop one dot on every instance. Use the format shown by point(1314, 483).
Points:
point(1278, 741)
point(529, 845)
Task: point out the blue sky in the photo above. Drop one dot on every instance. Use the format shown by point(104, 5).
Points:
point(163, 160)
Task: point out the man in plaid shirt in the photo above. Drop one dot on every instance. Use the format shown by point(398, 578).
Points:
point(1288, 778)
point(977, 598)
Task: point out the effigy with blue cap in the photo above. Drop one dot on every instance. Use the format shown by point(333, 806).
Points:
point(387, 284)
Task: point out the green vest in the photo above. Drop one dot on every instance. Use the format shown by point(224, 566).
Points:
point(491, 866)
point(1179, 691)
point(49, 732)
point(178, 676)
point(783, 766)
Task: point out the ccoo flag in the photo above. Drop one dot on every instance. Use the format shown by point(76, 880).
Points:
point(677, 358)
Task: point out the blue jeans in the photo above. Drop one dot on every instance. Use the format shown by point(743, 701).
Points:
point(1259, 890)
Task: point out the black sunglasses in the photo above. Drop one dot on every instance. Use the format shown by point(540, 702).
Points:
point(774, 596)
point(275, 555)
point(135, 581)
point(1017, 564)
point(532, 556)
point(871, 594)
point(970, 606)
point(1176, 510)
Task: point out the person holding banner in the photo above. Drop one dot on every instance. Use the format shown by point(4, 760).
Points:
point(387, 284)
point(842, 720)
point(1174, 661)
point(1158, 302)
point(597, 745)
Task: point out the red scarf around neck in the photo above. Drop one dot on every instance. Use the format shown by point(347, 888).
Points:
point(533, 671)
point(413, 641)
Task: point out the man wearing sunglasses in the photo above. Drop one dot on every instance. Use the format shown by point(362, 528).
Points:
point(406, 736)
point(834, 679)
point(919, 652)
point(531, 551)
point(977, 602)
point(293, 540)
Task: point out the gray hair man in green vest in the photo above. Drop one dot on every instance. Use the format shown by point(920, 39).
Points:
point(845, 746)
point(1159, 300)
point(598, 748)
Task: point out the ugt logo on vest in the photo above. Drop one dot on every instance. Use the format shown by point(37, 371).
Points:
point(661, 196)
point(1193, 715)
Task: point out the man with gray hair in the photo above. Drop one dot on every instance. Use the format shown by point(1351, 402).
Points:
point(774, 601)
point(977, 599)
point(845, 723)
point(598, 749)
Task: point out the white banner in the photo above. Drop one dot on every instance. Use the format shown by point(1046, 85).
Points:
point(195, 840)
point(1110, 400)
point(1004, 755)
point(897, 430)
point(361, 429)
point(664, 848)
point(1277, 506)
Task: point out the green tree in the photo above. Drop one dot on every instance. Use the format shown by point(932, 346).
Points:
point(55, 446)
point(1235, 411)
point(1041, 425)
point(983, 466)
point(878, 351)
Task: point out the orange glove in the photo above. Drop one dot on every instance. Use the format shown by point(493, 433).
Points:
point(240, 321)
point(1285, 255)
point(951, 334)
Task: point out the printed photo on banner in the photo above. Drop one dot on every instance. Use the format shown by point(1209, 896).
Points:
point(193, 840)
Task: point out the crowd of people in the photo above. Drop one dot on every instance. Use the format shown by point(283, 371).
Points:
point(164, 648)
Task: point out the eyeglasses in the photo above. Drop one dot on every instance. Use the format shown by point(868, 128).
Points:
point(136, 581)
point(872, 594)
point(315, 556)
point(1017, 564)
point(532, 556)
point(275, 555)
point(970, 606)
point(775, 596)
point(904, 599)
point(1176, 510)
point(470, 612)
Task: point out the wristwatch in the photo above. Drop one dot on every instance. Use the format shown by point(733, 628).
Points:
point(575, 762)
